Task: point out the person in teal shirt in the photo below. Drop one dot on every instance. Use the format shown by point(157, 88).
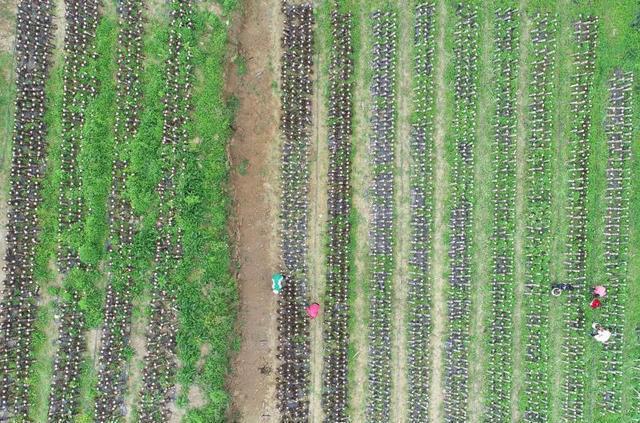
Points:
point(277, 281)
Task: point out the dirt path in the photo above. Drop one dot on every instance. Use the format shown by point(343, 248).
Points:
point(136, 363)
point(399, 393)
point(439, 310)
point(255, 157)
point(517, 386)
point(319, 162)
point(483, 221)
point(359, 320)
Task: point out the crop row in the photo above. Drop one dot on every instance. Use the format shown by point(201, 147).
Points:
point(381, 151)
point(336, 337)
point(20, 292)
point(122, 221)
point(461, 221)
point(619, 130)
point(505, 60)
point(80, 86)
point(538, 219)
point(421, 174)
point(293, 326)
point(585, 33)
point(160, 360)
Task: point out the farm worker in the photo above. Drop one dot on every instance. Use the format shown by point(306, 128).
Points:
point(600, 291)
point(600, 334)
point(313, 310)
point(557, 288)
point(595, 303)
point(277, 281)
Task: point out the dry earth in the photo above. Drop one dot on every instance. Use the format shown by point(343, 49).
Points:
point(254, 156)
point(318, 209)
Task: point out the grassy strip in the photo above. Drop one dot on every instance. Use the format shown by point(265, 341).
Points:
point(44, 271)
point(131, 235)
point(80, 297)
point(160, 361)
point(7, 96)
point(94, 162)
point(207, 296)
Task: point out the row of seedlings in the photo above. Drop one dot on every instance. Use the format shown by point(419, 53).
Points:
point(34, 33)
point(619, 131)
point(538, 219)
point(421, 174)
point(585, 33)
point(79, 88)
point(461, 221)
point(336, 336)
point(160, 361)
point(122, 221)
point(505, 61)
point(293, 326)
point(381, 151)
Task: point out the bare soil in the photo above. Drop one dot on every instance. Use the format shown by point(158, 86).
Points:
point(254, 156)
point(316, 257)
point(138, 343)
point(7, 25)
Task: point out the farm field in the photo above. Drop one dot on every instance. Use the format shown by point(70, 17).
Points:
point(423, 170)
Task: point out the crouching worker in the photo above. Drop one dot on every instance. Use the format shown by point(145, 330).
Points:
point(600, 334)
point(277, 282)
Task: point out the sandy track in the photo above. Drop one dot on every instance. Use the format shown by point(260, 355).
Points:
point(316, 257)
point(255, 34)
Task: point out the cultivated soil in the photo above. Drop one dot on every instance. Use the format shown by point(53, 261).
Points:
point(254, 156)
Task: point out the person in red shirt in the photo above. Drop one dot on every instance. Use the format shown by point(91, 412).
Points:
point(313, 310)
point(595, 303)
